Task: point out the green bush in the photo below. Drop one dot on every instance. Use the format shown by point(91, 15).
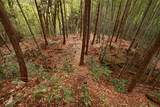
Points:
point(119, 85)
point(67, 67)
point(98, 71)
point(85, 95)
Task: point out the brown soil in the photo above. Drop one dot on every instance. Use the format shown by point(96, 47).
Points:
point(74, 80)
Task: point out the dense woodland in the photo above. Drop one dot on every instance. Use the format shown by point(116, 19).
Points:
point(79, 53)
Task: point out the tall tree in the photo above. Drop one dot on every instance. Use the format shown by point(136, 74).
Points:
point(47, 16)
point(85, 19)
point(41, 22)
point(140, 25)
point(96, 24)
point(81, 17)
point(143, 65)
point(65, 18)
point(63, 26)
point(88, 27)
point(30, 29)
point(11, 32)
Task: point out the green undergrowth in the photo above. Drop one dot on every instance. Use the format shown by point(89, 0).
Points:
point(65, 61)
point(155, 94)
point(85, 95)
point(119, 85)
point(98, 71)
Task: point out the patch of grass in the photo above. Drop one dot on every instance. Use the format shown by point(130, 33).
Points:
point(119, 85)
point(98, 71)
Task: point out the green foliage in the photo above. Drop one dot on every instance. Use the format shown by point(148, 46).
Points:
point(9, 70)
point(57, 94)
point(67, 67)
point(2, 75)
point(41, 89)
point(86, 99)
point(155, 94)
point(68, 95)
point(12, 101)
point(103, 101)
point(38, 71)
point(119, 85)
point(10, 56)
point(85, 95)
point(17, 82)
point(98, 71)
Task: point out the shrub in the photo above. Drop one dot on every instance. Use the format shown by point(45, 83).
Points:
point(85, 95)
point(67, 67)
point(98, 71)
point(119, 85)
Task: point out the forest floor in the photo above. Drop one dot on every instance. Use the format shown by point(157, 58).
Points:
point(65, 83)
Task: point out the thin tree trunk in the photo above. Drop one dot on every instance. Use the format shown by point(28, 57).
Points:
point(47, 17)
point(42, 25)
point(84, 32)
point(143, 65)
point(65, 18)
point(88, 27)
point(96, 25)
point(11, 32)
point(124, 19)
point(30, 29)
point(81, 20)
point(139, 27)
point(54, 18)
point(63, 27)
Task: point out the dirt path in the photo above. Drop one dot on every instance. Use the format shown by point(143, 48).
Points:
point(98, 90)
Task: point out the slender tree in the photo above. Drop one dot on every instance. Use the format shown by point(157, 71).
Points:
point(65, 18)
point(81, 18)
point(63, 26)
point(41, 22)
point(96, 25)
point(30, 29)
point(143, 65)
point(47, 17)
point(11, 32)
point(88, 27)
point(141, 23)
point(85, 19)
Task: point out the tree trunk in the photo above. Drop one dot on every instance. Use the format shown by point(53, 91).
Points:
point(143, 65)
point(63, 27)
point(84, 31)
point(30, 29)
point(42, 24)
point(47, 17)
point(116, 23)
point(65, 18)
point(96, 25)
point(11, 32)
point(81, 20)
point(88, 27)
point(139, 27)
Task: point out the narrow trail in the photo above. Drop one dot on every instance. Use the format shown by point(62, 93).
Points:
point(96, 89)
